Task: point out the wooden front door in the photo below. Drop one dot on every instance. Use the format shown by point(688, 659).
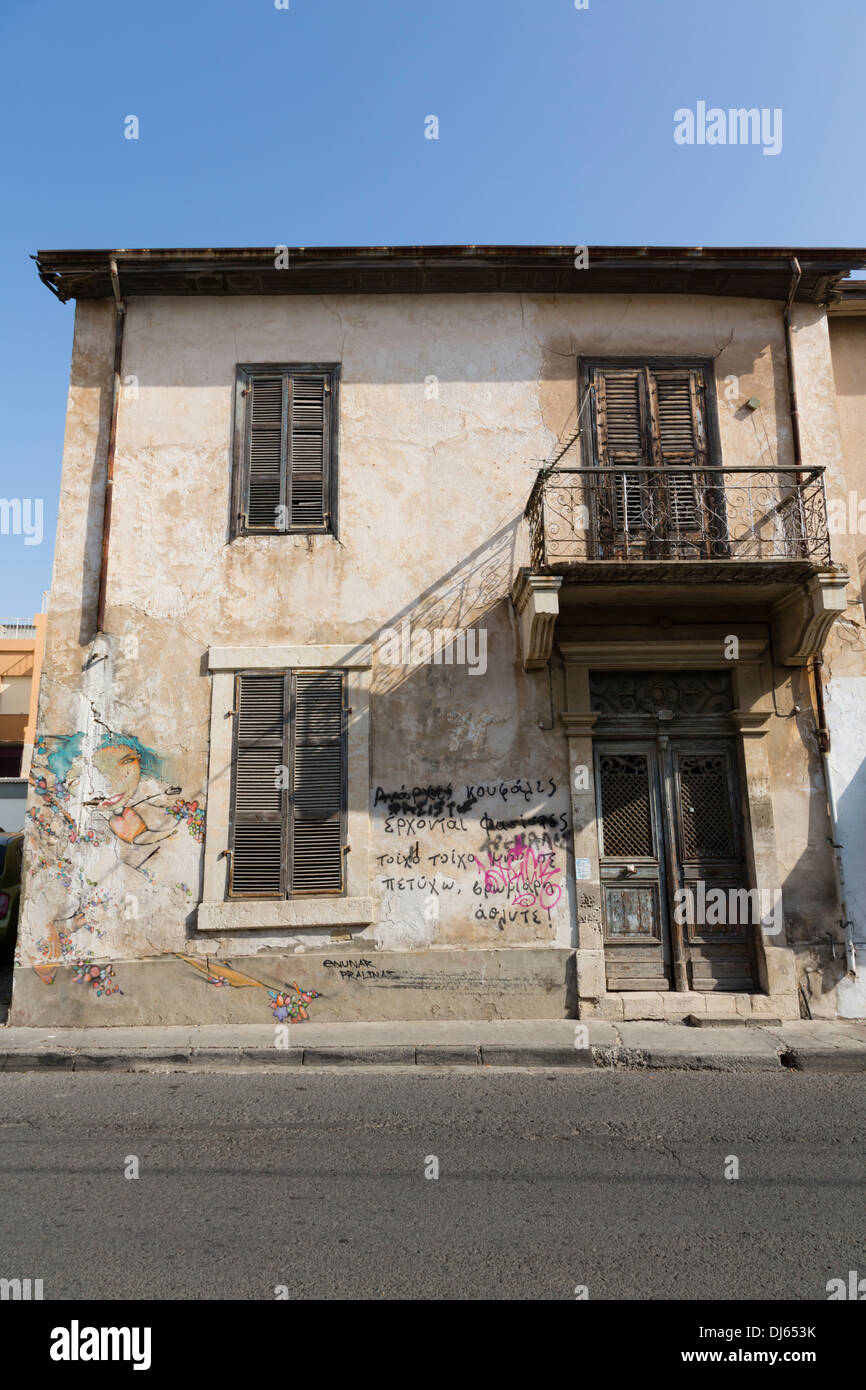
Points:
point(672, 865)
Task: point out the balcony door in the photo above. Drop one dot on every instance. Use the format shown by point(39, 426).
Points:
point(652, 495)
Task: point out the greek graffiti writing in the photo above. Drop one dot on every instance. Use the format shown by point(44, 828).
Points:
point(552, 822)
point(408, 857)
point(503, 916)
point(520, 787)
point(422, 801)
point(503, 841)
point(422, 884)
point(406, 826)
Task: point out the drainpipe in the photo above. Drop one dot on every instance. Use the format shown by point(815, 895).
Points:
point(119, 319)
point(793, 411)
point(824, 745)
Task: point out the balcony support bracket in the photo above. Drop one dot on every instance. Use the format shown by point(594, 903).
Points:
point(536, 603)
point(802, 621)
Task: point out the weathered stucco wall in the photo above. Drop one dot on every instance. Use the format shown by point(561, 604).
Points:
point(448, 405)
point(846, 705)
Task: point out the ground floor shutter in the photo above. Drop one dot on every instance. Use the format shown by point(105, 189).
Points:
point(259, 802)
point(289, 774)
point(318, 760)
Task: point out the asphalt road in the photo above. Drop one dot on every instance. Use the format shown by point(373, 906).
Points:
point(315, 1180)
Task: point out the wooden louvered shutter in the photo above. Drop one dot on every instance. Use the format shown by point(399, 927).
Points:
point(258, 797)
point(284, 449)
point(619, 416)
point(266, 450)
point(680, 442)
point(309, 448)
point(318, 782)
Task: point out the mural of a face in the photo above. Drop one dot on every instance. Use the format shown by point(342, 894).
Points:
point(125, 793)
point(116, 774)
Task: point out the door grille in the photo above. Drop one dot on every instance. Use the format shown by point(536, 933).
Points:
point(705, 805)
point(625, 807)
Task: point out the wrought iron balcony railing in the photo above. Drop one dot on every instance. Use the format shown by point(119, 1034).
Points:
point(637, 513)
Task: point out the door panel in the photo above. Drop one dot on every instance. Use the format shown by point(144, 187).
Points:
point(632, 867)
point(708, 821)
point(670, 819)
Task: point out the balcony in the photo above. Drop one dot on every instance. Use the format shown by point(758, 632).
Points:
point(723, 543)
point(678, 517)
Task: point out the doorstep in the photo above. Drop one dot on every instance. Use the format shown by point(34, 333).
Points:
point(670, 1006)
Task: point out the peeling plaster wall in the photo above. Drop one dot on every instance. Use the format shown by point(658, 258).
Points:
point(846, 690)
point(448, 406)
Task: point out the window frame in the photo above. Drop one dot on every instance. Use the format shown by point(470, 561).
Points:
point(241, 424)
point(219, 914)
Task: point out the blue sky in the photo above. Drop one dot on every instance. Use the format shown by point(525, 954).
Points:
point(305, 126)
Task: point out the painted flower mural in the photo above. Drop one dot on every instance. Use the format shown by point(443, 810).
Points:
point(100, 978)
point(288, 1004)
point(291, 1003)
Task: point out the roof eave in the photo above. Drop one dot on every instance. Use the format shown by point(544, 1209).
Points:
point(747, 272)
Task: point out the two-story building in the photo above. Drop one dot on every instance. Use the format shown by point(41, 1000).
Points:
point(458, 632)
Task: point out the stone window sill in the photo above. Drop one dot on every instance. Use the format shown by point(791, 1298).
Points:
point(283, 914)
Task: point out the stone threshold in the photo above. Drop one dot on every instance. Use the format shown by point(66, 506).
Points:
point(669, 1006)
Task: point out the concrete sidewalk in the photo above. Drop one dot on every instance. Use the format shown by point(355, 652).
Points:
point(798, 1046)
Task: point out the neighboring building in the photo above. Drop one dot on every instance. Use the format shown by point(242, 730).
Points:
point(21, 649)
point(451, 642)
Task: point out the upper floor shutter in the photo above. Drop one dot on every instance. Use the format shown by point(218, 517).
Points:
point(318, 782)
point(620, 411)
point(285, 448)
point(680, 441)
point(258, 795)
point(266, 450)
point(308, 451)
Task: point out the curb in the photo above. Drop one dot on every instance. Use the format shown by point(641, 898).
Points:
point(638, 1059)
point(465, 1055)
point(517, 1055)
point(824, 1059)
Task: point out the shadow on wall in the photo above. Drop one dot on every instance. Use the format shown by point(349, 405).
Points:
point(469, 774)
point(94, 371)
point(440, 626)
